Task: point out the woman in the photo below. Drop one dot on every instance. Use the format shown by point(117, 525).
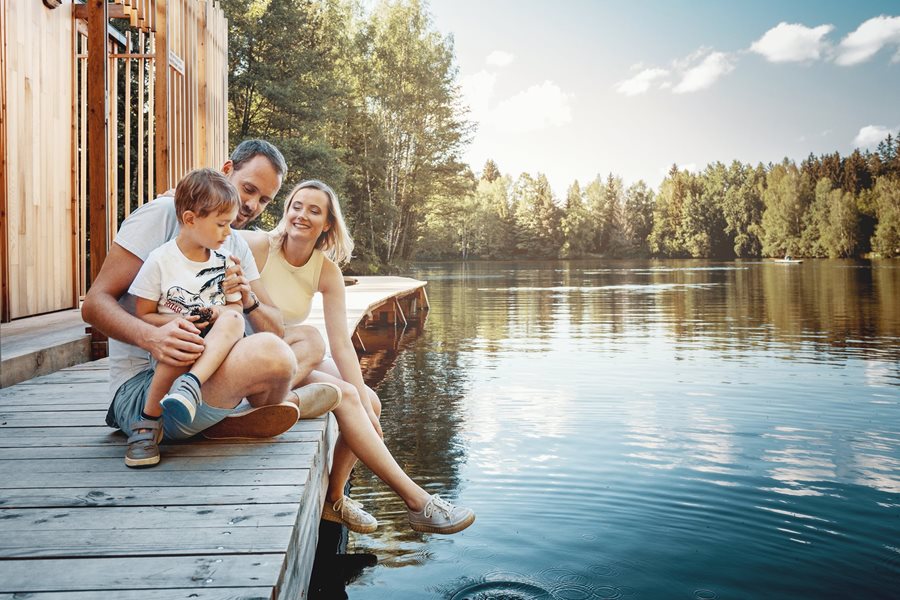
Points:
point(299, 257)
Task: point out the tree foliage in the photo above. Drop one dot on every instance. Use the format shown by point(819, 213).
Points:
point(365, 97)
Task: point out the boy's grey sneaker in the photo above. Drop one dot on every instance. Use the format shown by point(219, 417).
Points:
point(143, 445)
point(439, 516)
point(182, 400)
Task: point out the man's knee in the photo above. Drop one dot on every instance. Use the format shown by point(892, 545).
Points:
point(278, 359)
point(307, 344)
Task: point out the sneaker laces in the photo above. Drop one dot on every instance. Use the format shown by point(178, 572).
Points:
point(349, 503)
point(436, 502)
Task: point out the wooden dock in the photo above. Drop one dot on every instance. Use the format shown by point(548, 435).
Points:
point(235, 519)
point(41, 345)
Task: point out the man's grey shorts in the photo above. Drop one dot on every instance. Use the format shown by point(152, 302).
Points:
point(131, 396)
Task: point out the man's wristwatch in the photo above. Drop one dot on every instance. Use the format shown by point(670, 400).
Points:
point(253, 306)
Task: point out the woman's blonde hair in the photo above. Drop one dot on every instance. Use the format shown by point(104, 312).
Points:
point(335, 243)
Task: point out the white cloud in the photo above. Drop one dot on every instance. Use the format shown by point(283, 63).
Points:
point(477, 91)
point(500, 58)
point(870, 37)
point(701, 76)
point(792, 42)
point(695, 72)
point(871, 135)
point(538, 107)
point(641, 82)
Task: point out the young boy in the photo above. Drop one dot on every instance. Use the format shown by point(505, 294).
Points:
point(182, 280)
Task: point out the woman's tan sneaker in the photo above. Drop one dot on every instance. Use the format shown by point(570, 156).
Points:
point(316, 399)
point(349, 513)
point(439, 516)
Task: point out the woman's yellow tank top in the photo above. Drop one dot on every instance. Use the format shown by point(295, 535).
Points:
point(292, 288)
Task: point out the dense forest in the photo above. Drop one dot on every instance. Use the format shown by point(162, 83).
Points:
point(368, 101)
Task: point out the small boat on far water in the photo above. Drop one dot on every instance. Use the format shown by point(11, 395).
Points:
point(788, 259)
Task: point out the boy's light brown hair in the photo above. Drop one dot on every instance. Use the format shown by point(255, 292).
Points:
point(203, 191)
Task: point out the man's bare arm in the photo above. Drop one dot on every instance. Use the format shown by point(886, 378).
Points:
point(177, 343)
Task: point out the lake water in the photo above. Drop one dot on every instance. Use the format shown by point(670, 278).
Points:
point(647, 429)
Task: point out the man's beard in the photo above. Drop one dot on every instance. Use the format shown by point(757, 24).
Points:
point(246, 221)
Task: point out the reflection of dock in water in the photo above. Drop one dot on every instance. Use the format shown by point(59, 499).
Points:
point(385, 314)
point(214, 519)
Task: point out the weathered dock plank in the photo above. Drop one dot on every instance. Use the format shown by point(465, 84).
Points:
point(98, 543)
point(140, 573)
point(260, 593)
point(161, 496)
point(156, 478)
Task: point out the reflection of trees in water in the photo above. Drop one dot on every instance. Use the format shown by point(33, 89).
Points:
point(423, 410)
point(831, 306)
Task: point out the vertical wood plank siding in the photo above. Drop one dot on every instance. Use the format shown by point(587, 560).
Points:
point(166, 113)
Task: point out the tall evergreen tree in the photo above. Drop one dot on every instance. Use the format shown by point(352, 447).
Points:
point(886, 240)
point(575, 225)
point(788, 194)
point(638, 218)
point(491, 172)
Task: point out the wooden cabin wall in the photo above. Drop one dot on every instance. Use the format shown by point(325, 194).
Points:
point(40, 226)
point(43, 200)
point(213, 112)
point(198, 86)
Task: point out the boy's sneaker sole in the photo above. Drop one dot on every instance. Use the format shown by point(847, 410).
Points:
point(179, 408)
point(255, 423)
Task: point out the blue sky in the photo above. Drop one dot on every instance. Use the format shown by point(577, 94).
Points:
point(574, 89)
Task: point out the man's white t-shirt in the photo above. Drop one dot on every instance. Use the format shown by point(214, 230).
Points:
point(148, 228)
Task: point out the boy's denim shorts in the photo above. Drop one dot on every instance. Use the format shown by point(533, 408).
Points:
point(129, 401)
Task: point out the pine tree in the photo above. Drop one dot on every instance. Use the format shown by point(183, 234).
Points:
point(490, 173)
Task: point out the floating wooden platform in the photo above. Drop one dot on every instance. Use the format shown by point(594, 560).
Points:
point(214, 520)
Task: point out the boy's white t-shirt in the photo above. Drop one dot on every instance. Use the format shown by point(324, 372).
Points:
point(178, 284)
point(148, 228)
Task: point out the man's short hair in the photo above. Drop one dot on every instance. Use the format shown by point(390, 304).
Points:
point(250, 149)
point(203, 191)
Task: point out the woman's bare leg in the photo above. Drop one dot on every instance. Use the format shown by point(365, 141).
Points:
point(344, 459)
point(360, 438)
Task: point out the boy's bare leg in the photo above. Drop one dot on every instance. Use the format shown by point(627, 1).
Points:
point(163, 377)
point(223, 335)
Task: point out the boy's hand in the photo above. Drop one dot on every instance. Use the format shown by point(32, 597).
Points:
point(203, 316)
point(235, 283)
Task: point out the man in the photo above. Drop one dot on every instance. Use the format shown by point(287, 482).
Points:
point(260, 367)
